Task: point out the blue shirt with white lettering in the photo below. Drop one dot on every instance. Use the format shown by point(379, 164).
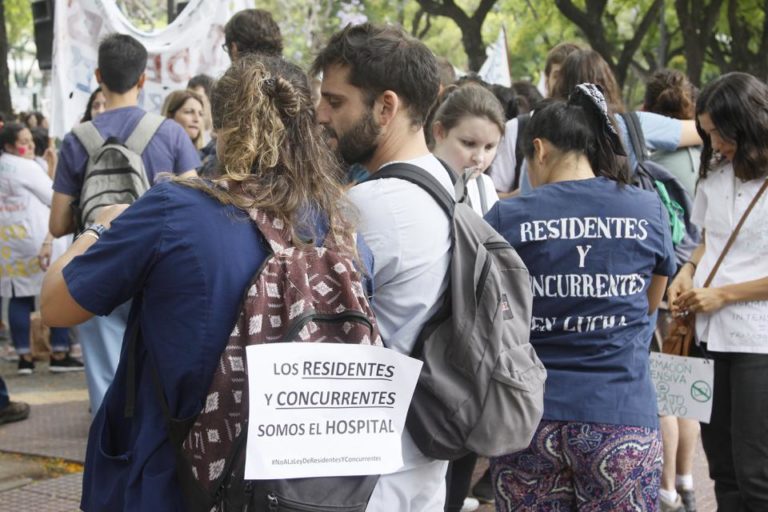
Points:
point(591, 247)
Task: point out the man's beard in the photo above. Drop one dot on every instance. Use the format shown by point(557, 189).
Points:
point(358, 143)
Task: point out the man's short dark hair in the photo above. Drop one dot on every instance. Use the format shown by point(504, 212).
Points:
point(385, 58)
point(254, 31)
point(202, 80)
point(122, 60)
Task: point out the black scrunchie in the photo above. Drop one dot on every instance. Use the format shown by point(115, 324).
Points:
point(590, 96)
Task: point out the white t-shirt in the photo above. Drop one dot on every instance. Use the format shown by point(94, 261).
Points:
point(720, 201)
point(410, 238)
point(476, 200)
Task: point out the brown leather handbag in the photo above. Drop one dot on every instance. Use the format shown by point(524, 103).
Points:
point(679, 336)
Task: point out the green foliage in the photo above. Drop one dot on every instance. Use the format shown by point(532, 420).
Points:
point(18, 22)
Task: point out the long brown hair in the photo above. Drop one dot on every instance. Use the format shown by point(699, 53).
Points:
point(737, 104)
point(273, 155)
point(588, 66)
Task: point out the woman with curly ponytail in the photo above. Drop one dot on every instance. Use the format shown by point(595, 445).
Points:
point(186, 253)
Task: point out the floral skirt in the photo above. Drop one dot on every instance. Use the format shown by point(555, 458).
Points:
point(573, 466)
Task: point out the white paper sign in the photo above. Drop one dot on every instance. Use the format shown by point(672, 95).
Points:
point(683, 386)
point(326, 409)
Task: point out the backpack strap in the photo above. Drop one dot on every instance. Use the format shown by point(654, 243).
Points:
point(483, 195)
point(143, 133)
point(89, 137)
point(522, 120)
point(422, 179)
point(636, 136)
point(272, 229)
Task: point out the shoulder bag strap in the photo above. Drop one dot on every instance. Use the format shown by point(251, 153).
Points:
point(736, 230)
point(636, 137)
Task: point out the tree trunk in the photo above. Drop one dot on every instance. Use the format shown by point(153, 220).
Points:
point(5, 86)
point(471, 27)
point(472, 39)
point(590, 22)
point(697, 23)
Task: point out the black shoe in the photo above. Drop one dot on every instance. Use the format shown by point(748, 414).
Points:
point(689, 499)
point(14, 411)
point(26, 367)
point(65, 364)
point(483, 489)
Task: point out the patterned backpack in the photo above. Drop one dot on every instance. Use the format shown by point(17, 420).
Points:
point(312, 294)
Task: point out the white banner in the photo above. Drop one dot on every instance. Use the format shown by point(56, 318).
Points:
point(189, 46)
point(495, 69)
point(683, 386)
point(326, 409)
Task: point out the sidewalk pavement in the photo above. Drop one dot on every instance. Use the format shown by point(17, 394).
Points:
point(41, 457)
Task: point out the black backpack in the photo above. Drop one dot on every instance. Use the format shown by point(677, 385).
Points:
point(652, 176)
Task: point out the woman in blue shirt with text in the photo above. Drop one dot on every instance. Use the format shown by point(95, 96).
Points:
point(599, 252)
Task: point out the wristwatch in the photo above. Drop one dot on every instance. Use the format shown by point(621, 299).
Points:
point(96, 229)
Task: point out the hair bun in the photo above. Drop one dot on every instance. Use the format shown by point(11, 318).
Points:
point(287, 98)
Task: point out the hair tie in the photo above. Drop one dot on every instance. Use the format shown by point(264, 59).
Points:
point(269, 85)
point(591, 96)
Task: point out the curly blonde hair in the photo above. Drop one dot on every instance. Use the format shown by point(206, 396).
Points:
point(273, 155)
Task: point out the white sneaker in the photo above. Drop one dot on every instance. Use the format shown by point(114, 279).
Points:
point(470, 505)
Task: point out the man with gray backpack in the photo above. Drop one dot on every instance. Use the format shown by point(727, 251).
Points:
point(448, 290)
point(113, 159)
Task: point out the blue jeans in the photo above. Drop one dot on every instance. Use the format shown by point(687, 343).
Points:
point(101, 339)
point(736, 438)
point(19, 309)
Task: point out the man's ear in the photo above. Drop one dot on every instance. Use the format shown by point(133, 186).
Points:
point(386, 107)
point(232, 51)
point(98, 76)
point(142, 79)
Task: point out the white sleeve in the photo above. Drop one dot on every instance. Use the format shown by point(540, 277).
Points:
point(37, 182)
point(502, 169)
point(699, 211)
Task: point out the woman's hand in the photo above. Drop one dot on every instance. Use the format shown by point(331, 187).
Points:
point(44, 256)
point(109, 213)
point(682, 283)
point(700, 300)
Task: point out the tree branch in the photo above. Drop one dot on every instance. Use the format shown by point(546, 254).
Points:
point(631, 47)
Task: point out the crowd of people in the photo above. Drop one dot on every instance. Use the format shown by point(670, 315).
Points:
point(554, 177)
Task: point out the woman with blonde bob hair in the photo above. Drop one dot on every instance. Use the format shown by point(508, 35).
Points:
point(185, 252)
point(187, 108)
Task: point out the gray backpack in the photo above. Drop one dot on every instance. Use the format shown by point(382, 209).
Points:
point(115, 171)
point(481, 389)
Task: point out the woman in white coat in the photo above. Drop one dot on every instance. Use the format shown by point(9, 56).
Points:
point(25, 199)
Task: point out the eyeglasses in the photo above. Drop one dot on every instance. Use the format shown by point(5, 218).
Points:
point(225, 48)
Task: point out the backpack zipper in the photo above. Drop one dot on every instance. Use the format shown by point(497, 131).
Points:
point(490, 246)
point(310, 316)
